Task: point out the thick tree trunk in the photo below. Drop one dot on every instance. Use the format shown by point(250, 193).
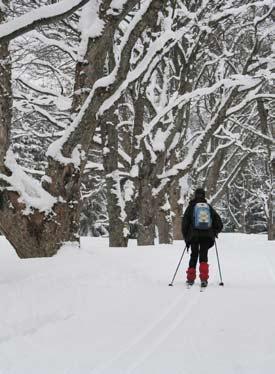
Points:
point(145, 206)
point(146, 214)
point(214, 173)
point(5, 99)
point(176, 207)
point(271, 226)
point(118, 236)
point(36, 235)
point(242, 209)
point(164, 222)
point(118, 229)
point(263, 114)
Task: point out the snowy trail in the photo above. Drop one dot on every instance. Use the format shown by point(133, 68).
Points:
point(146, 343)
point(105, 310)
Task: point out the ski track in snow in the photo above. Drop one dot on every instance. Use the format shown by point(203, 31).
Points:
point(165, 333)
point(22, 330)
point(103, 310)
point(269, 267)
point(150, 336)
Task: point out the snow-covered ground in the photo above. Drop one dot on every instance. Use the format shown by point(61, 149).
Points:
point(103, 310)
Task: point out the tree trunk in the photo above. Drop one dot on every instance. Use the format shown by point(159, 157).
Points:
point(146, 213)
point(118, 235)
point(271, 225)
point(5, 99)
point(176, 207)
point(145, 206)
point(164, 222)
point(214, 173)
point(263, 114)
point(36, 235)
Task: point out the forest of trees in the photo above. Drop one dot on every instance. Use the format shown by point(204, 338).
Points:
point(113, 111)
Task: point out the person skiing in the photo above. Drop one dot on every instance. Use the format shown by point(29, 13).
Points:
point(200, 225)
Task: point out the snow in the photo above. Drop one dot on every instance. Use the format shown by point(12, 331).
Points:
point(29, 189)
point(60, 44)
point(63, 102)
point(116, 7)
point(99, 310)
point(159, 140)
point(90, 26)
point(116, 190)
point(41, 13)
point(55, 150)
point(237, 11)
point(2, 6)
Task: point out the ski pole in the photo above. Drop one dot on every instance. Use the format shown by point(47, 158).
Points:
point(171, 284)
point(221, 282)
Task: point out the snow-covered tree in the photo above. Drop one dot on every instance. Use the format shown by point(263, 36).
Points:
point(196, 77)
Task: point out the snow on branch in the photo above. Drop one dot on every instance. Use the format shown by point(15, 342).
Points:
point(259, 134)
point(240, 10)
point(88, 29)
point(220, 147)
point(55, 149)
point(237, 80)
point(116, 190)
point(184, 166)
point(31, 193)
point(39, 17)
point(133, 75)
point(36, 88)
point(234, 173)
point(60, 44)
point(250, 97)
point(116, 6)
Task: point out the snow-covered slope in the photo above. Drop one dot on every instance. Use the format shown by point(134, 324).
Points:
point(110, 311)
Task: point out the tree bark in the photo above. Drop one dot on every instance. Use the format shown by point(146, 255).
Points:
point(146, 213)
point(5, 98)
point(214, 173)
point(164, 222)
point(118, 237)
point(145, 202)
point(271, 225)
point(263, 114)
point(176, 208)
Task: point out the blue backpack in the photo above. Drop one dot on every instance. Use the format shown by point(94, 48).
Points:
point(202, 217)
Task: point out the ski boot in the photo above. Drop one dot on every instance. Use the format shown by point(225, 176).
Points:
point(204, 273)
point(204, 283)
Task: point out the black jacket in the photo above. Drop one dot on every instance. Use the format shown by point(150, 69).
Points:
point(190, 233)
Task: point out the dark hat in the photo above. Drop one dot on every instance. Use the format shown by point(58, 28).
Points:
point(199, 193)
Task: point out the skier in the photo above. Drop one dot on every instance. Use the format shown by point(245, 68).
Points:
point(200, 225)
